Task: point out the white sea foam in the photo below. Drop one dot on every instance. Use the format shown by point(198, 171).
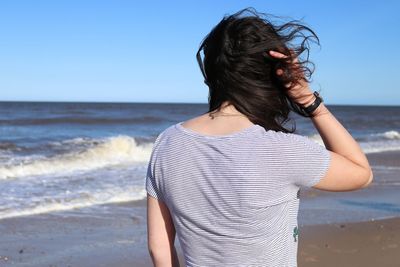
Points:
point(115, 195)
point(377, 147)
point(111, 151)
point(74, 141)
point(389, 134)
point(386, 141)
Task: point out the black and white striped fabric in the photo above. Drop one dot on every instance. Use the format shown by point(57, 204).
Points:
point(234, 198)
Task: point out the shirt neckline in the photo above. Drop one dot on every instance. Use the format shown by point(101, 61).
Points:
point(197, 134)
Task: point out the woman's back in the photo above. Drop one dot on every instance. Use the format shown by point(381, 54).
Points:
point(234, 198)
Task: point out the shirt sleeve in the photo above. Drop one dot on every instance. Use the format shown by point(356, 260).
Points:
point(152, 187)
point(308, 161)
point(152, 180)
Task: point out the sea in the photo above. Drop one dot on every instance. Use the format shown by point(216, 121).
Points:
point(60, 158)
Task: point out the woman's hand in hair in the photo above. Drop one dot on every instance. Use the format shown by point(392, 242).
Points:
point(299, 92)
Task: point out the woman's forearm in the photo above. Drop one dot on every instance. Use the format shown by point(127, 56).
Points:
point(162, 260)
point(336, 138)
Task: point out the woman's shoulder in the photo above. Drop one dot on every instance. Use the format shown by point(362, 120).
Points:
point(291, 136)
point(259, 132)
point(167, 131)
point(285, 136)
point(294, 141)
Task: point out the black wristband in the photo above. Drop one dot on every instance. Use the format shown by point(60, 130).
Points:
point(311, 108)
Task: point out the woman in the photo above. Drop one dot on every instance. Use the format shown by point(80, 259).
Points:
point(227, 182)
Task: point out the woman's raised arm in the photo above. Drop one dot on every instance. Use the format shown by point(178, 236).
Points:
point(349, 168)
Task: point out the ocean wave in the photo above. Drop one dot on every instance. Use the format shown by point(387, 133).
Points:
point(369, 148)
point(386, 141)
point(88, 199)
point(389, 135)
point(104, 152)
point(73, 144)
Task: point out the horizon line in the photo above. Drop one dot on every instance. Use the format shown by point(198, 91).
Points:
point(147, 102)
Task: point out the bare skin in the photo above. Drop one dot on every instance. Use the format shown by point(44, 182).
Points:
point(223, 122)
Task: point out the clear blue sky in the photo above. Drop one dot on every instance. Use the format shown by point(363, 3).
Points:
point(131, 51)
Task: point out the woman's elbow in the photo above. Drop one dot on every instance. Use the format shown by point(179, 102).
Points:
point(370, 178)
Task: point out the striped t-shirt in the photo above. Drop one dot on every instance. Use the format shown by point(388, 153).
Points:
point(234, 198)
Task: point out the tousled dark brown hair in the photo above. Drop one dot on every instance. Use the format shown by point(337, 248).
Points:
point(238, 68)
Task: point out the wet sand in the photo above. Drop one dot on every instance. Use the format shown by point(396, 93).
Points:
point(50, 240)
point(365, 244)
point(76, 239)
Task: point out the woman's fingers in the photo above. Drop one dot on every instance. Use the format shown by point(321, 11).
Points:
point(277, 54)
point(294, 61)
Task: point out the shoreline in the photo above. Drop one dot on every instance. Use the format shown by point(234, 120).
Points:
point(121, 240)
point(379, 200)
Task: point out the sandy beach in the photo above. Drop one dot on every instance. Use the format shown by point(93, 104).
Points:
point(76, 240)
point(373, 243)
